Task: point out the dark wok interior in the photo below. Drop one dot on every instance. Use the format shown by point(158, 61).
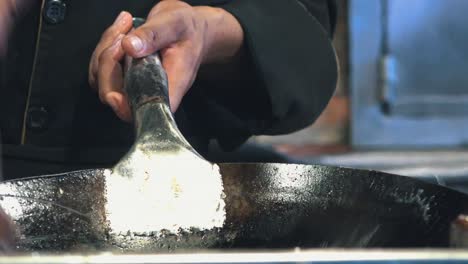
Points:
point(268, 206)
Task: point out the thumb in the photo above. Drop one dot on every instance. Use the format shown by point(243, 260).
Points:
point(154, 35)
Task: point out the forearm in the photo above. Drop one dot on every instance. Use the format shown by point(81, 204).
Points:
point(291, 62)
point(225, 36)
point(225, 53)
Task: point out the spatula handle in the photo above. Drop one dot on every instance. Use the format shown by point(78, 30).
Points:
point(147, 90)
point(145, 80)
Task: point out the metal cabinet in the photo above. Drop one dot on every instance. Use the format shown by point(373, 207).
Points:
point(409, 73)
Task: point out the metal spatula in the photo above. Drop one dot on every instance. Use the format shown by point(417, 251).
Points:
point(162, 183)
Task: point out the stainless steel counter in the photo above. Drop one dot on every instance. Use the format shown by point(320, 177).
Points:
point(444, 167)
point(298, 256)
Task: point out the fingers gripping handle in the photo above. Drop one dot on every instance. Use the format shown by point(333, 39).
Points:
point(145, 79)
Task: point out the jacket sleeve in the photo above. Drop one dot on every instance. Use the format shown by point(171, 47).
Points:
point(288, 43)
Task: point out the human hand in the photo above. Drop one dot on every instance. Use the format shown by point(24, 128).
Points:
point(7, 234)
point(186, 38)
point(9, 9)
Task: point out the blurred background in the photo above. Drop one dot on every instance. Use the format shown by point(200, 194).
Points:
point(401, 104)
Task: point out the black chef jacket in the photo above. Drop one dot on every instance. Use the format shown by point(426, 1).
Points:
point(52, 121)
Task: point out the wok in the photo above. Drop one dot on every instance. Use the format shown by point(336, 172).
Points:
point(267, 206)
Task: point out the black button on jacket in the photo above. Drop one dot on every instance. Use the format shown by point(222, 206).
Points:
point(49, 114)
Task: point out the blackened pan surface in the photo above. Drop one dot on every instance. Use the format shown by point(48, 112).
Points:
point(267, 206)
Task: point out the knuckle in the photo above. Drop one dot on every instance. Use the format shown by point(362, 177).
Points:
point(91, 80)
point(149, 34)
point(193, 24)
point(111, 32)
point(93, 62)
point(104, 56)
point(100, 59)
point(188, 22)
point(174, 4)
point(91, 65)
point(153, 12)
point(185, 14)
point(102, 94)
point(168, 52)
point(191, 60)
point(93, 57)
point(92, 71)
